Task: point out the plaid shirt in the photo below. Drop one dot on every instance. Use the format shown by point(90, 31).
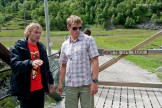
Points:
point(76, 55)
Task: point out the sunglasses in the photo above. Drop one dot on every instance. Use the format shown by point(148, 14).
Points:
point(75, 28)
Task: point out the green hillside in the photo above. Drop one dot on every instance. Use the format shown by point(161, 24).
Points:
point(16, 14)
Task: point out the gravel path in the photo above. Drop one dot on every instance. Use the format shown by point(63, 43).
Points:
point(124, 70)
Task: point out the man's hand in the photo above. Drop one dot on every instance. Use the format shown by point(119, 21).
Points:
point(93, 88)
point(51, 88)
point(37, 63)
point(60, 89)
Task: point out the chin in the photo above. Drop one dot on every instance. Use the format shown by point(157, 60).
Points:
point(77, 35)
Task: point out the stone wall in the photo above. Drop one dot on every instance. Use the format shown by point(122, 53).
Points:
point(149, 25)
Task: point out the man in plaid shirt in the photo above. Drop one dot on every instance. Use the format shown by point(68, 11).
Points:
point(79, 66)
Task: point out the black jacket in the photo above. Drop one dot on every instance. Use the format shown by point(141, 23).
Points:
point(21, 65)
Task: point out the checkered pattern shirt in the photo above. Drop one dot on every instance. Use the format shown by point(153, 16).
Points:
point(76, 55)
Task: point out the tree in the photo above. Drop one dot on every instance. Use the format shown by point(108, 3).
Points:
point(60, 22)
point(120, 18)
point(92, 11)
point(1, 8)
point(14, 7)
point(113, 20)
point(34, 14)
point(130, 23)
point(155, 18)
point(53, 23)
point(2, 19)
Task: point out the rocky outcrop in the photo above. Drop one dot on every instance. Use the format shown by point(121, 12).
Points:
point(149, 25)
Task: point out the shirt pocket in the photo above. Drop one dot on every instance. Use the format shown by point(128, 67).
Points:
point(80, 54)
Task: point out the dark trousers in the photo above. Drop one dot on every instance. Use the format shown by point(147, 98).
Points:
point(36, 100)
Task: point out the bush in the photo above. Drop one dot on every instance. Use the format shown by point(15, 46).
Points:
point(130, 23)
point(8, 103)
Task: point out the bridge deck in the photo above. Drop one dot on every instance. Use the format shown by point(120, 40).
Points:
point(126, 97)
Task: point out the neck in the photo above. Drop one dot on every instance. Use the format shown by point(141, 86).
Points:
point(31, 42)
point(73, 38)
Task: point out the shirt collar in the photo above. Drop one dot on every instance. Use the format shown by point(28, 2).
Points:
point(78, 39)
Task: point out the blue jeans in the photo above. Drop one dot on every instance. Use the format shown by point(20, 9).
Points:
point(74, 94)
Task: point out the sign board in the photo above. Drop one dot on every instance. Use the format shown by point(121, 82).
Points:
point(111, 52)
point(130, 52)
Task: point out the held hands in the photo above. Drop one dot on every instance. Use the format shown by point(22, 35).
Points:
point(37, 63)
point(60, 89)
point(51, 88)
point(93, 88)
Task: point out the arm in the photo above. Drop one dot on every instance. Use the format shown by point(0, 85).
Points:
point(20, 63)
point(95, 72)
point(61, 77)
point(95, 67)
point(50, 75)
point(51, 79)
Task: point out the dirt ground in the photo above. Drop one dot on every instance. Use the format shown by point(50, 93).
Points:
point(125, 71)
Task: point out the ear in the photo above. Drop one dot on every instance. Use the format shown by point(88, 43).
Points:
point(68, 27)
point(28, 34)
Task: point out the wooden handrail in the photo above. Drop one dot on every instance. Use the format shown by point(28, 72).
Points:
point(131, 84)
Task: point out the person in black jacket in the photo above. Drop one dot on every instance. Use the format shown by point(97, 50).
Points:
point(31, 76)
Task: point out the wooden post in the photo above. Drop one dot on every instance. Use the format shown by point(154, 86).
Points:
point(114, 60)
point(4, 54)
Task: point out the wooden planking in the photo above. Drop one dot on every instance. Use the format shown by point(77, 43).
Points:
point(158, 95)
point(123, 97)
point(153, 99)
point(131, 98)
point(116, 101)
point(145, 98)
point(101, 101)
point(138, 99)
point(97, 96)
point(110, 97)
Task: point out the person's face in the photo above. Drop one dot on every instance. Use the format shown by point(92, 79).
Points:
point(75, 29)
point(34, 36)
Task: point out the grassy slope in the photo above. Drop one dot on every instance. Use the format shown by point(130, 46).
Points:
point(112, 39)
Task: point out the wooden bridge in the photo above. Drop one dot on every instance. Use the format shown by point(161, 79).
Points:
point(125, 97)
point(128, 97)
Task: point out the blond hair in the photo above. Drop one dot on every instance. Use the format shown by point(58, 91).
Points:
point(31, 27)
point(73, 19)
